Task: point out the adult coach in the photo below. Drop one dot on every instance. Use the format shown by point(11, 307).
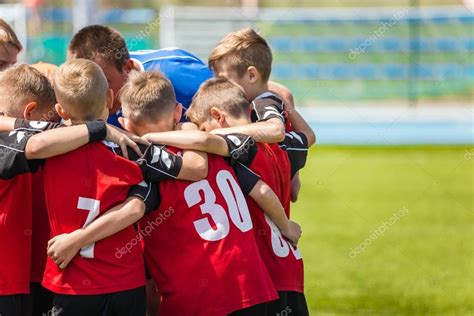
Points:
point(108, 49)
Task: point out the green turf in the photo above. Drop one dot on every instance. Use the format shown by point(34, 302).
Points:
point(422, 265)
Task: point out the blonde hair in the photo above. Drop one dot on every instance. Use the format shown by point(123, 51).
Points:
point(220, 93)
point(147, 96)
point(22, 84)
point(8, 36)
point(242, 49)
point(81, 89)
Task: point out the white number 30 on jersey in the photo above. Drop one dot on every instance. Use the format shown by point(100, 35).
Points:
point(236, 205)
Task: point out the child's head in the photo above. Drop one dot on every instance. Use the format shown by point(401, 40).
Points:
point(106, 47)
point(149, 103)
point(46, 69)
point(10, 46)
point(82, 91)
point(26, 93)
point(244, 57)
point(219, 103)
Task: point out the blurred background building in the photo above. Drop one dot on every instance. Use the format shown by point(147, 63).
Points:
point(373, 58)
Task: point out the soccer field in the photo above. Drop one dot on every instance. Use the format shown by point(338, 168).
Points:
point(422, 264)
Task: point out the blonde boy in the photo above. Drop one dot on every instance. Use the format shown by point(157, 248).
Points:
point(245, 57)
point(220, 103)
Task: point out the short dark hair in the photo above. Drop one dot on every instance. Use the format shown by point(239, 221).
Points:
point(99, 40)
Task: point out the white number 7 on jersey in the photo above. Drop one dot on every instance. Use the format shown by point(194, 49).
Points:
point(93, 206)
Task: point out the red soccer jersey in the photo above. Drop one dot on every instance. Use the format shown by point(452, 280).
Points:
point(80, 186)
point(16, 207)
point(200, 247)
point(40, 228)
point(283, 261)
point(15, 235)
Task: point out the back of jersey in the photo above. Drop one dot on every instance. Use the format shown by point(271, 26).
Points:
point(200, 246)
point(79, 187)
point(185, 71)
point(283, 261)
point(15, 234)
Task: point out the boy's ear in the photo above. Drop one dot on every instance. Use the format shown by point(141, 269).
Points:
point(253, 74)
point(110, 99)
point(128, 66)
point(59, 109)
point(126, 124)
point(29, 109)
point(178, 113)
point(218, 115)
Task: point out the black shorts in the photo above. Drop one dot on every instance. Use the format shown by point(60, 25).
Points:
point(125, 303)
point(42, 299)
point(289, 303)
point(16, 305)
point(256, 310)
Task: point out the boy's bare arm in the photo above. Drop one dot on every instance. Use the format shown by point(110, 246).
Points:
point(65, 139)
point(191, 140)
point(63, 248)
point(194, 167)
point(7, 123)
point(270, 131)
point(268, 201)
point(300, 125)
point(297, 121)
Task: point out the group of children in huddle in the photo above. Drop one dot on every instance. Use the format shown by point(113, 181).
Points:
point(180, 209)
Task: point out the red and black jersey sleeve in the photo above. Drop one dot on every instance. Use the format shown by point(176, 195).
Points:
point(148, 192)
point(242, 148)
point(35, 126)
point(246, 177)
point(158, 164)
point(13, 161)
point(268, 106)
point(296, 146)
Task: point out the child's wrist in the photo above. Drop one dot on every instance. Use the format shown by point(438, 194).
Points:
point(285, 227)
point(78, 238)
point(97, 130)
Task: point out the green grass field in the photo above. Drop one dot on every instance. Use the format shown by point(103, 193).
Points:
point(422, 264)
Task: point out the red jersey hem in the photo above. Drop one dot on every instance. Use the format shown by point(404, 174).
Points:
point(252, 302)
point(19, 290)
point(289, 288)
point(91, 291)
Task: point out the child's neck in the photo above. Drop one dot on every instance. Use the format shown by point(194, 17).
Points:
point(259, 89)
point(144, 129)
point(233, 122)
